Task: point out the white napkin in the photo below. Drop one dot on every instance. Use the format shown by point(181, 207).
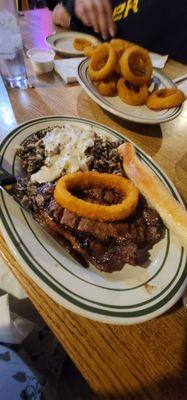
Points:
point(182, 83)
point(158, 61)
point(67, 68)
point(9, 283)
point(13, 329)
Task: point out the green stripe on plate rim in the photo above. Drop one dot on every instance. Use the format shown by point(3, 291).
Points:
point(113, 133)
point(129, 314)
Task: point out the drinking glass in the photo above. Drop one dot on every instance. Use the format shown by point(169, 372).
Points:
point(12, 64)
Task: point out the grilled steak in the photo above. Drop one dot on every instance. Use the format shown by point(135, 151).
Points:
point(106, 245)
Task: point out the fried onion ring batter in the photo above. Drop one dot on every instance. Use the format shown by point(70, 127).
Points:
point(135, 65)
point(80, 43)
point(131, 95)
point(120, 45)
point(86, 209)
point(107, 88)
point(165, 98)
point(102, 63)
point(89, 50)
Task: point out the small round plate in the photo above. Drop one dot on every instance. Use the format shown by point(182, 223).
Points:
point(129, 296)
point(116, 106)
point(62, 42)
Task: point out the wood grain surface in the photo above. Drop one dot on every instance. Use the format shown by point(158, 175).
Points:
point(146, 361)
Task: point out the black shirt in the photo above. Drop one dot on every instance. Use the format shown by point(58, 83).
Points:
point(158, 25)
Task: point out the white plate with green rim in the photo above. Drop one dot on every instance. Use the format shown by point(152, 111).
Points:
point(132, 295)
point(62, 42)
point(140, 114)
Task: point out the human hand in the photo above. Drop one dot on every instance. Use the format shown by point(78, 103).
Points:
point(96, 13)
point(61, 16)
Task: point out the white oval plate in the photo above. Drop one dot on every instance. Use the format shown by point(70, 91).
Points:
point(116, 106)
point(132, 295)
point(62, 42)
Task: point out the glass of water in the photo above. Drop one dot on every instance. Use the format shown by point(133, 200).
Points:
point(12, 64)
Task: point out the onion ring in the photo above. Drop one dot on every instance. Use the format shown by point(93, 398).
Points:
point(103, 62)
point(129, 61)
point(80, 43)
point(89, 50)
point(131, 95)
point(107, 88)
point(165, 98)
point(99, 212)
point(120, 46)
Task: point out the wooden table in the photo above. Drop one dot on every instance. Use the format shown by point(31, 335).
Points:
point(146, 361)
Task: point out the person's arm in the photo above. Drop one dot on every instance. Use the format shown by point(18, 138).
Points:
point(61, 16)
point(83, 14)
point(60, 13)
point(97, 14)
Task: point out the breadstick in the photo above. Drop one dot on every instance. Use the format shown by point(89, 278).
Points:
point(169, 209)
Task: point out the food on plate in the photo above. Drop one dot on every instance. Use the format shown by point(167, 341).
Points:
point(102, 62)
point(88, 50)
point(63, 151)
point(62, 145)
point(165, 98)
point(135, 65)
point(107, 88)
point(170, 210)
point(122, 68)
point(86, 180)
point(130, 94)
point(80, 43)
point(120, 45)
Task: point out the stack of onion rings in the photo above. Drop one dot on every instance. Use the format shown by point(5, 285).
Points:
point(94, 211)
point(165, 98)
point(132, 66)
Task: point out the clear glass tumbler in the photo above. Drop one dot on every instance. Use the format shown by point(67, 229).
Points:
point(12, 64)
